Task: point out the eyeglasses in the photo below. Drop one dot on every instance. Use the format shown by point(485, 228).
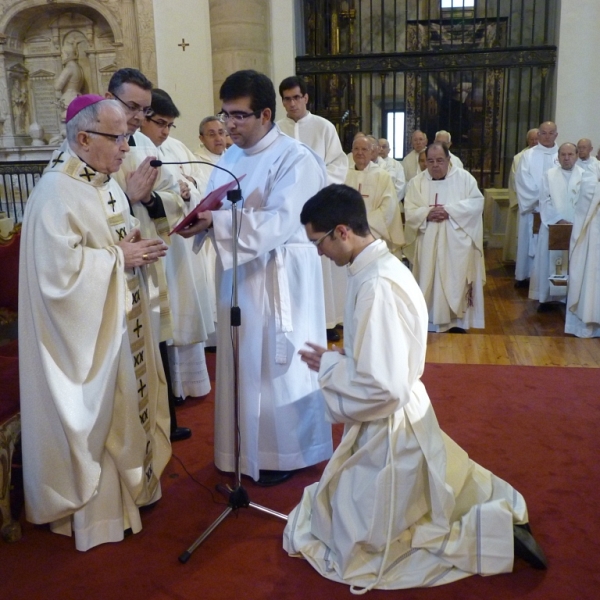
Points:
point(317, 243)
point(237, 117)
point(132, 107)
point(119, 139)
point(295, 98)
point(162, 124)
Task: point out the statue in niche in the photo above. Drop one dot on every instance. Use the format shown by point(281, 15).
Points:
point(70, 83)
point(19, 95)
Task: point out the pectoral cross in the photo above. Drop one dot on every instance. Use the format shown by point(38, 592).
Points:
point(183, 44)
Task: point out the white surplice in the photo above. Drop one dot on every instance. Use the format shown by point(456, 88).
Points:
point(208, 249)
point(394, 168)
point(591, 164)
point(511, 248)
point(321, 136)
point(95, 423)
point(447, 257)
point(528, 182)
point(455, 161)
point(383, 210)
point(561, 191)
point(583, 300)
point(189, 373)
point(280, 288)
point(410, 164)
point(399, 504)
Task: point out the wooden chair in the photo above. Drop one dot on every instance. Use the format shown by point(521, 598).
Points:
point(10, 420)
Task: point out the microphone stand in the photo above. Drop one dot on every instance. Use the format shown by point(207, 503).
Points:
point(237, 496)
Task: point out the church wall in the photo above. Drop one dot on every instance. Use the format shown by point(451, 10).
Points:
point(578, 78)
point(187, 75)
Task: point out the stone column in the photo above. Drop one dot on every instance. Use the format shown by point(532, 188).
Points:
point(578, 77)
point(241, 38)
point(130, 51)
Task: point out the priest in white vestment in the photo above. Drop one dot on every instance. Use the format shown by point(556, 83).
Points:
point(393, 167)
point(213, 143)
point(321, 136)
point(511, 235)
point(585, 159)
point(583, 298)
point(563, 187)
point(410, 163)
point(280, 288)
point(94, 417)
point(212, 136)
point(528, 182)
point(399, 504)
point(189, 373)
point(155, 198)
point(378, 192)
point(444, 242)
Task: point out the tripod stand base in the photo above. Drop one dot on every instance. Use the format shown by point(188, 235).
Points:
point(238, 498)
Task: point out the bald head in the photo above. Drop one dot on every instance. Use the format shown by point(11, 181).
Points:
point(584, 148)
point(547, 134)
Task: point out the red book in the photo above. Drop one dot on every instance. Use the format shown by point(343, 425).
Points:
point(210, 202)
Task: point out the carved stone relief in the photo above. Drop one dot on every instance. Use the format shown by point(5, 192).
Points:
point(51, 52)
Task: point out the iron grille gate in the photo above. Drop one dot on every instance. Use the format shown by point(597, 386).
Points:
point(484, 74)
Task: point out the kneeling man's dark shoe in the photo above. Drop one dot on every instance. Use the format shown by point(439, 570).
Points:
point(457, 330)
point(333, 335)
point(528, 549)
point(181, 433)
point(545, 307)
point(268, 478)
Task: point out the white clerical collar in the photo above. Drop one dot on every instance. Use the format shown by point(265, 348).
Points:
point(372, 252)
point(302, 120)
point(544, 150)
point(264, 141)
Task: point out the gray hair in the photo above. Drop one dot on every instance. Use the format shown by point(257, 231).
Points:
point(444, 132)
point(206, 120)
point(88, 117)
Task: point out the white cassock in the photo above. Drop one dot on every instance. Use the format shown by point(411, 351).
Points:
point(410, 164)
point(399, 504)
point(204, 154)
point(280, 288)
point(208, 249)
point(383, 210)
point(591, 164)
point(321, 136)
point(189, 373)
point(95, 422)
point(528, 181)
point(583, 300)
point(447, 257)
point(561, 191)
point(394, 168)
point(185, 299)
point(511, 235)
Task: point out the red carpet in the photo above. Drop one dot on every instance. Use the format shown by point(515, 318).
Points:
point(536, 427)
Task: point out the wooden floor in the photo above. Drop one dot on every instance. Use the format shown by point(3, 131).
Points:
point(515, 333)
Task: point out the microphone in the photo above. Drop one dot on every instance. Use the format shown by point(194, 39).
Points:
point(232, 195)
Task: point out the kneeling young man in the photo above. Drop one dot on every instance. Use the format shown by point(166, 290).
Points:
point(399, 504)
